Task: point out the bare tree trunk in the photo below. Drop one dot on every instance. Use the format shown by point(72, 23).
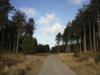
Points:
point(80, 45)
point(98, 21)
point(77, 46)
point(94, 38)
point(14, 46)
point(9, 46)
point(97, 42)
point(66, 48)
point(69, 48)
point(59, 48)
point(17, 42)
point(84, 45)
point(2, 41)
point(90, 36)
point(0, 44)
point(69, 43)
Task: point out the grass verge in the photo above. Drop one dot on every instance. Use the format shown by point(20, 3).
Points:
point(20, 64)
point(83, 65)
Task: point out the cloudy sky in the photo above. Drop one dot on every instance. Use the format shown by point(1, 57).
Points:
point(51, 16)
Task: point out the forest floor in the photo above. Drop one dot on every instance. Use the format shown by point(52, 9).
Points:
point(83, 65)
point(20, 64)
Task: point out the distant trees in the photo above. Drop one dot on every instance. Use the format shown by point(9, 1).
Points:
point(43, 48)
point(55, 49)
point(83, 33)
point(58, 40)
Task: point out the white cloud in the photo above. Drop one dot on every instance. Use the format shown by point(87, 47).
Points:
point(50, 24)
point(30, 12)
point(43, 21)
point(51, 16)
point(53, 30)
point(47, 19)
point(77, 2)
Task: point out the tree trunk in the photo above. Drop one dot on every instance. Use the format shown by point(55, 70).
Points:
point(80, 45)
point(58, 48)
point(77, 45)
point(17, 42)
point(84, 45)
point(66, 49)
point(14, 46)
point(2, 41)
point(97, 42)
point(9, 46)
point(98, 21)
point(69, 42)
point(94, 38)
point(90, 36)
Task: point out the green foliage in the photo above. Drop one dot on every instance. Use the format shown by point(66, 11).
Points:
point(97, 59)
point(29, 46)
point(5, 8)
point(30, 26)
point(58, 38)
point(19, 19)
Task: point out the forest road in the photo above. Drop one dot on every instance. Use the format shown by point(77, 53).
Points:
point(53, 66)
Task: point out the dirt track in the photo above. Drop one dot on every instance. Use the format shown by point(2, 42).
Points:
point(53, 66)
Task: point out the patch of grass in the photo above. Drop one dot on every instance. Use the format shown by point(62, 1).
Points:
point(81, 65)
point(25, 64)
point(35, 67)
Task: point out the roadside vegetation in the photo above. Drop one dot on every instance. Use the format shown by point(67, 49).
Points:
point(20, 64)
point(83, 65)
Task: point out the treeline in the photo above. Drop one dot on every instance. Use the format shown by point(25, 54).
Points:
point(83, 33)
point(43, 48)
point(16, 32)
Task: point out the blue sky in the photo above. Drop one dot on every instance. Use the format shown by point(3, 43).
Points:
point(51, 16)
